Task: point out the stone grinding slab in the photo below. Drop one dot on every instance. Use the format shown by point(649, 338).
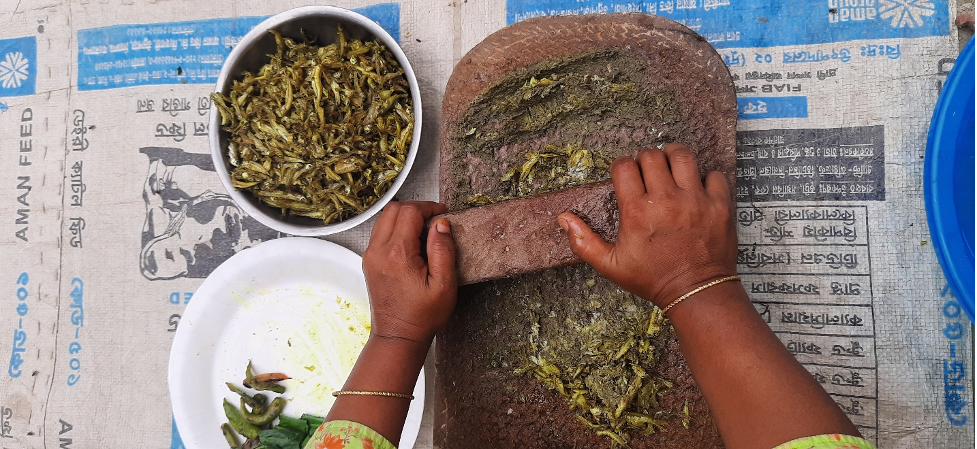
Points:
point(480, 401)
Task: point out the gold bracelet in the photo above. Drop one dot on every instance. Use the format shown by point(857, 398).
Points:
point(697, 290)
point(374, 393)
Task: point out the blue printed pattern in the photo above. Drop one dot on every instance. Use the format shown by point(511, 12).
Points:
point(771, 107)
point(955, 380)
point(18, 350)
point(176, 52)
point(18, 66)
point(759, 23)
point(175, 441)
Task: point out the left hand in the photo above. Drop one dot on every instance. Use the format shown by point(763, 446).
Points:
point(411, 299)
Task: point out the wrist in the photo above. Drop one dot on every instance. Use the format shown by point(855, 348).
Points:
point(392, 328)
point(682, 284)
point(714, 303)
point(402, 345)
point(387, 364)
point(401, 358)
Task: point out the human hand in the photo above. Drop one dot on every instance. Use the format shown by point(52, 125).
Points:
point(410, 299)
point(674, 235)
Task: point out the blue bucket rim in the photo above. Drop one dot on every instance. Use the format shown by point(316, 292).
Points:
point(944, 131)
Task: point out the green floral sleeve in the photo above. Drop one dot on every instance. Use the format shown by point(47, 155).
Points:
point(351, 435)
point(832, 441)
point(347, 435)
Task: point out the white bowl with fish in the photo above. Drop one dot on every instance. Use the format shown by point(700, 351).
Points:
point(316, 120)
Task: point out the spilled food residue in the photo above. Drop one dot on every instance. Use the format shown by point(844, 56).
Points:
point(321, 352)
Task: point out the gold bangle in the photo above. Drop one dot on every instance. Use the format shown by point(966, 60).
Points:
point(374, 393)
point(699, 289)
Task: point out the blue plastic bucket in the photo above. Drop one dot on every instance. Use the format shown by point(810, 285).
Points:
point(949, 179)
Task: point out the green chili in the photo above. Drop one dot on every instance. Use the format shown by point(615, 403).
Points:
point(237, 421)
point(268, 415)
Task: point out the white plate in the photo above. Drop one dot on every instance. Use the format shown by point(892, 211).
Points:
point(292, 305)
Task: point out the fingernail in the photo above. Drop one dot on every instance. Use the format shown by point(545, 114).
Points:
point(442, 226)
point(564, 224)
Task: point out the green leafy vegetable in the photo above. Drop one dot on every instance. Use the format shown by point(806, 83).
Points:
point(280, 437)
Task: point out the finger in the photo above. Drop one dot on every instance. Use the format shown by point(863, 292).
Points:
point(654, 171)
point(627, 180)
point(427, 209)
point(406, 226)
point(441, 253)
point(716, 186)
point(407, 230)
point(584, 242)
point(684, 169)
point(385, 224)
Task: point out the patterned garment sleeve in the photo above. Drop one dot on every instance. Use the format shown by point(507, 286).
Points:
point(832, 441)
point(347, 435)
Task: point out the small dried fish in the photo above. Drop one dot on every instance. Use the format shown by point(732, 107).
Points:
point(609, 390)
point(685, 411)
point(553, 168)
point(320, 132)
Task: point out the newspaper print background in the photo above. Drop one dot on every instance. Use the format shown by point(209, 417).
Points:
point(112, 215)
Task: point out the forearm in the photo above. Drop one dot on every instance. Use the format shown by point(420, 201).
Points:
point(386, 365)
point(758, 392)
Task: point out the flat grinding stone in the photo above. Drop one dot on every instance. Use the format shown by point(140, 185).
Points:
point(524, 233)
point(479, 400)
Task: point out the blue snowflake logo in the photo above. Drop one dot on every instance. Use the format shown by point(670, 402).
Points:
point(13, 70)
point(906, 13)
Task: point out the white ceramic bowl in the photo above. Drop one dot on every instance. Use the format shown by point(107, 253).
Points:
point(320, 22)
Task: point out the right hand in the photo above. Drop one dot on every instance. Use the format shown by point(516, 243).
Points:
point(674, 235)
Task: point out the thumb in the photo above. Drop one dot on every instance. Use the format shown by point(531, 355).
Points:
point(441, 253)
point(584, 242)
